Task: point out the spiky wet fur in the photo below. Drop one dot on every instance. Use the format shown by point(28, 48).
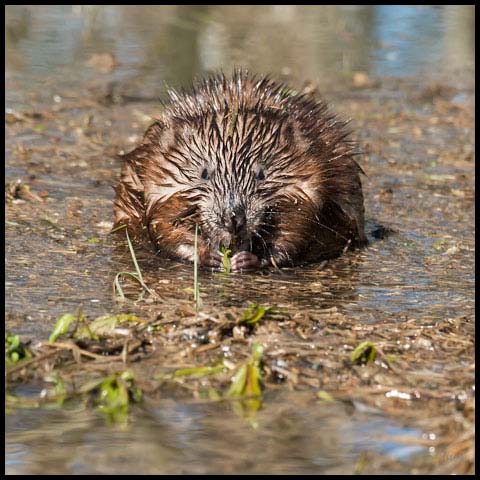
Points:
point(251, 145)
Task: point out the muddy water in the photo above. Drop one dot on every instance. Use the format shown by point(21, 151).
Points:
point(79, 92)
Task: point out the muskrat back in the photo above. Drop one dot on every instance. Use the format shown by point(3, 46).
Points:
point(264, 171)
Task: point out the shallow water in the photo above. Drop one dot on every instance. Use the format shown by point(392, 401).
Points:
point(411, 105)
point(170, 437)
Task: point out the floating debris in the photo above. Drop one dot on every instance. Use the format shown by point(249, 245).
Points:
point(17, 190)
point(197, 372)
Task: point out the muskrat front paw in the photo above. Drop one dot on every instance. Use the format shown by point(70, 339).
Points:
point(244, 261)
point(212, 260)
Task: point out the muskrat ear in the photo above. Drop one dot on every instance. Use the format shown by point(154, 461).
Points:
point(154, 132)
point(293, 136)
point(161, 134)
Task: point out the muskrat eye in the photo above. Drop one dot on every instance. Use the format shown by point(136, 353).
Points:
point(205, 175)
point(261, 175)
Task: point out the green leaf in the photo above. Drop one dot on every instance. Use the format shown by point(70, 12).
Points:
point(40, 128)
point(113, 399)
point(253, 381)
point(254, 313)
point(115, 394)
point(227, 253)
point(390, 358)
point(61, 326)
point(257, 350)
point(196, 285)
point(15, 350)
point(59, 390)
point(325, 396)
point(246, 387)
point(104, 325)
point(439, 244)
point(199, 371)
point(93, 240)
point(213, 394)
point(364, 353)
point(196, 372)
point(239, 380)
point(247, 380)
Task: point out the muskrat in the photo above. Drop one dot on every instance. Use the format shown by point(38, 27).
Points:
point(260, 169)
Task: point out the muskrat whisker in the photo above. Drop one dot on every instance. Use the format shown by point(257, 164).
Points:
point(286, 254)
point(260, 229)
point(265, 246)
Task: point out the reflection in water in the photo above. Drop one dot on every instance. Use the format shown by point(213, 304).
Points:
point(405, 33)
point(295, 435)
point(174, 43)
point(317, 286)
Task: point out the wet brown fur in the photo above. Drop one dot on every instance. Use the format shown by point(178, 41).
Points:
point(308, 206)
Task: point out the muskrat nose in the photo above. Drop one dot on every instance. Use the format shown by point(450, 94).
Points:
point(235, 221)
point(238, 221)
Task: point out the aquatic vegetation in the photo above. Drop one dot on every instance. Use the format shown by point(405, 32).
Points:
point(59, 390)
point(246, 387)
point(20, 191)
point(137, 275)
point(101, 326)
point(247, 381)
point(15, 350)
point(254, 313)
point(325, 396)
point(196, 287)
point(197, 372)
point(365, 352)
point(114, 394)
point(105, 325)
point(62, 325)
point(93, 240)
point(226, 261)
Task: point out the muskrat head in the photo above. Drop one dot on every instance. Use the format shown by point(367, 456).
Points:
point(232, 212)
point(232, 171)
point(221, 172)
